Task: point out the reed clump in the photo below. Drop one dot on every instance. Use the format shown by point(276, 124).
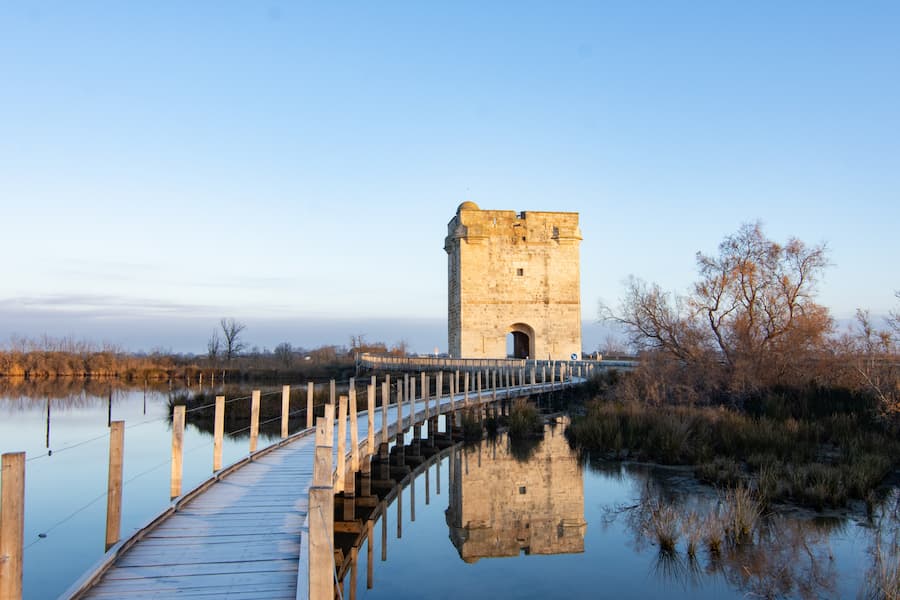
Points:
point(820, 462)
point(524, 421)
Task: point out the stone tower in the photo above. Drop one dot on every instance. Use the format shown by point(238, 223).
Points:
point(513, 274)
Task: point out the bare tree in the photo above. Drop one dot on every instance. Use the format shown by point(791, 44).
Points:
point(285, 353)
point(214, 346)
point(893, 318)
point(232, 329)
point(752, 308)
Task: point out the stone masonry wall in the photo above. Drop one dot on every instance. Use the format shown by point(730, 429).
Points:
point(509, 271)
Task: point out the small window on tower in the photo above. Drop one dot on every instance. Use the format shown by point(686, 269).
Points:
point(520, 272)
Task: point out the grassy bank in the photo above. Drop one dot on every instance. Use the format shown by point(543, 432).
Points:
point(818, 462)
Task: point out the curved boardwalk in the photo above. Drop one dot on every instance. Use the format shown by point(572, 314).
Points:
point(240, 536)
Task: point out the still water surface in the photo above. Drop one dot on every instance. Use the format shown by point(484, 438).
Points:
point(509, 521)
point(65, 492)
point(544, 524)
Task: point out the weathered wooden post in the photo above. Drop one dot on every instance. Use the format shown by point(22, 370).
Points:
point(425, 394)
point(452, 397)
point(177, 448)
point(12, 524)
point(370, 421)
point(399, 412)
point(321, 518)
point(354, 430)
point(254, 420)
point(341, 466)
point(385, 400)
point(466, 392)
point(494, 385)
point(478, 385)
point(332, 391)
point(285, 409)
point(218, 432)
point(412, 401)
point(310, 395)
point(439, 392)
point(114, 483)
point(329, 422)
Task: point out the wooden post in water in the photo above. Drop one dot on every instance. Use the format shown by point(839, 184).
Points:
point(177, 448)
point(310, 396)
point(254, 420)
point(341, 444)
point(218, 432)
point(114, 483)
point(12, 524)
point(321, 517)
point(285, 409)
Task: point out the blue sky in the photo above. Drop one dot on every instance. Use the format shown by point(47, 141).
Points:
point(167, 163)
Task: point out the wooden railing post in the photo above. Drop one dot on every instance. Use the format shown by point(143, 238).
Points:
point(218, 432)
point(399, 411)
point(466, 393)
point(354, 430)
point(114, 483)
point(177, 449)
point(370, 423)
point(385, 400)
point(12, 524)
point(254, 420)
point(341, 445)
point(321, 517)
point(412, 401)
point(310, 395)
point(426, 395)
point(285, 409)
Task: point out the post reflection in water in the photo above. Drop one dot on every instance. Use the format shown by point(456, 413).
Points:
point(504, 506)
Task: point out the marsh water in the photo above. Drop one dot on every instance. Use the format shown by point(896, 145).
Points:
point(489, 520)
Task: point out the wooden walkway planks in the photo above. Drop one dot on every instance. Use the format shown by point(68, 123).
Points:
point(242, 536)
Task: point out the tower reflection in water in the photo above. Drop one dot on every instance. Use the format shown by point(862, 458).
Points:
point(509, 498)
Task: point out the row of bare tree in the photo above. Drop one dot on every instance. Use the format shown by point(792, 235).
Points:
point(750, 322)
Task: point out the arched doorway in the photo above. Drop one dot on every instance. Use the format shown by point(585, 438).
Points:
point(520, 341)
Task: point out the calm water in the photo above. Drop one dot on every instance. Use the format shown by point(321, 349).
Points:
point(491, 520)
point(552, 527)
point(65, 494)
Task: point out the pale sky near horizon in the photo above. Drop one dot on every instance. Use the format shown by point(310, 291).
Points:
point(294, 165)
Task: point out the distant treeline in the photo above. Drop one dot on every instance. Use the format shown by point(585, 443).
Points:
point(51, 358)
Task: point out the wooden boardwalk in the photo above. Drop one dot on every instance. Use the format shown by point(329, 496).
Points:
point(241, 534)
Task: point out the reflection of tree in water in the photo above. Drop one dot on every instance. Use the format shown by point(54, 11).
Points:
point(883, 577)
point(776, 557)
